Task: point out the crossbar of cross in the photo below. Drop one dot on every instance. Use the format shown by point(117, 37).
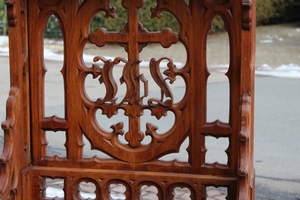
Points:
point(133, 37)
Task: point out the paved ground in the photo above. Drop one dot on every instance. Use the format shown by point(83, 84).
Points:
point(277, 134)
point(277, 115)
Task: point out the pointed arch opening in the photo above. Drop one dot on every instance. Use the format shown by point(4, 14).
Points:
point(218, 63)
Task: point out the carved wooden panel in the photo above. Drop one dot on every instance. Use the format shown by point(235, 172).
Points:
point(133, 145)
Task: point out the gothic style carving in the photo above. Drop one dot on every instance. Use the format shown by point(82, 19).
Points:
point(133, 39)
point(136, 117)
point(7, 159)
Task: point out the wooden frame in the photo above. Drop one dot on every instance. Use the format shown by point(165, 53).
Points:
point(24, 164)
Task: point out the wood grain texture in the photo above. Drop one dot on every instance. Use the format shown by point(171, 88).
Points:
point(26, 164)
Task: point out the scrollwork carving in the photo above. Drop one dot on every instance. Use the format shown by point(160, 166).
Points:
point(161, 82)
point(129, 77)
point(106, 77)
point(132, 160)
point(133, 37)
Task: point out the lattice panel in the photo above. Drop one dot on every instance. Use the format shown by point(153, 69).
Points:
point(121, 117)
point(104, 184)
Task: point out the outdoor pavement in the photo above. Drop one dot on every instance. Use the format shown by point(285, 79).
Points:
point(277, 128)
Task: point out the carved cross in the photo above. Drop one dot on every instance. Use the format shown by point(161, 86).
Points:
point(133, 37)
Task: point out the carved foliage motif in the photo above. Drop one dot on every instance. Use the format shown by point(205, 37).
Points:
point(131, 161)
point(136, 99)
point(133, 39)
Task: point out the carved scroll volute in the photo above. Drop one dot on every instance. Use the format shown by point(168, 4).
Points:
point(247, 14)
point(11, 12)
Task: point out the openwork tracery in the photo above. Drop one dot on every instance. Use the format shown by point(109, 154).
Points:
point(136, 149)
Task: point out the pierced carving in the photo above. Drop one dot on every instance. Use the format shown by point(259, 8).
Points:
point(106, 77)
point(150, 190)
point(133, 37)
point(129, 77)
point(98, 37)
point(158, 112)
point(118, 128)
point(161, 82)
point(150, 129)
point(166, 37)
point(181, 191)
point(85, 184)
point(136, 141)
point(247, 14)
point(109, 111)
